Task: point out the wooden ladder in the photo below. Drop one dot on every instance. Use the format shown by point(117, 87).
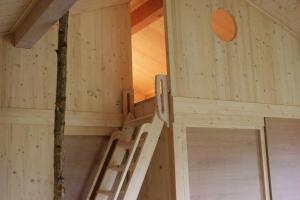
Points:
point(129, 152)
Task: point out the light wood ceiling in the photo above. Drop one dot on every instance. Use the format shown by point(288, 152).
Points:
point(149, 58)
point(137, 3)
point(11, 11)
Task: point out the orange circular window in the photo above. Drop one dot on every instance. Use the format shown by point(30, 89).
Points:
point(223, 25)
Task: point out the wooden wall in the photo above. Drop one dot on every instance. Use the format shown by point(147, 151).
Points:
point(158, 182)
point(227, 85)
point(99, 68)
point(27, 83)
point(260, 65)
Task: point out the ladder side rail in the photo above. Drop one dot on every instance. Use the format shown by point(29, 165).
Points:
point(143, 129)
point(144, 159)
point(161, 98)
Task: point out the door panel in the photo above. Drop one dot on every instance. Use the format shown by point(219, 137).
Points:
point(283, 136)
point(224, 164)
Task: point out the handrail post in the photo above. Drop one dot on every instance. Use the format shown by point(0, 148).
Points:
point(161, 97)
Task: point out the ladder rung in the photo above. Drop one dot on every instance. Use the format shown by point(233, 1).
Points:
point(120, 168)
point(125, 144)
point(129, 144)
point(139, 121)
point(106, 192)
point(117, 168)
point(109, 192)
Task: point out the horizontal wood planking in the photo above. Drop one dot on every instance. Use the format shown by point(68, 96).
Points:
point(205, 106)
point(73, 118)
point(227, 114)
point(260, 65)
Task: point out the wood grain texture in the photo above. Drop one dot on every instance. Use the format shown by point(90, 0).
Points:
point(134, 4)
point(29, 75)
point(82, 6)
point(26, 162)
point(148, 58)
point(260, 65)
point(224, 164)
point(11, 11)
point(146, 14)
point(283, 137)
point(157, 184)
point(39, 20)
point(101, 62)
point(99, 68)
point(285, 12)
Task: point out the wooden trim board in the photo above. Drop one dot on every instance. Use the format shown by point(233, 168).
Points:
point(228, 113)
point(77, 123)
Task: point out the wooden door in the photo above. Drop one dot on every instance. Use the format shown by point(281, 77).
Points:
point(283, 138)
point(224, 164)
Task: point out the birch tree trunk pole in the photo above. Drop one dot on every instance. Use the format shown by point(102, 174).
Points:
point(60, 107)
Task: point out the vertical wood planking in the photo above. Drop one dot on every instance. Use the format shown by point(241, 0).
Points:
point(26, 163)
point(29, 75)
point(99, 69)
point(257, 66)
point(100, 59)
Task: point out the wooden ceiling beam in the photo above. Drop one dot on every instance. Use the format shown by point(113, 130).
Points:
point(43, 15)
point(147, 13)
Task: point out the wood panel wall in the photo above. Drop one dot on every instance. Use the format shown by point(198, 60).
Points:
point(227, 85)
point(260, 65)
point(158, 181)
point(27, 82)
point(99, 67)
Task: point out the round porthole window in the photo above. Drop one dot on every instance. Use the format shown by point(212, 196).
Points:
point(223, 25)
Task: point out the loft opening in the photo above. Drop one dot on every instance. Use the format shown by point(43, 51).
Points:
point(148, 46)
